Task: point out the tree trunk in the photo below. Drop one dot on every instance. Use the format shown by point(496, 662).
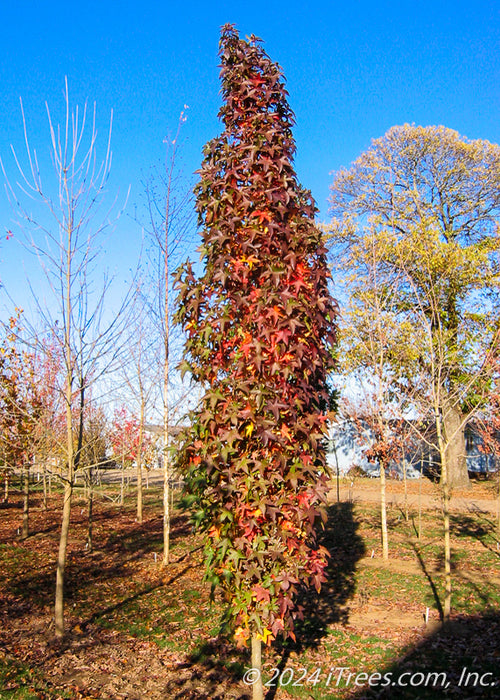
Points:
point(383, 514)
point(26, 502)
point(139, 490)
point(61, 558)
point(44, 481)
point(70, 475)
point(420, 476)
point(166, 423)
point(446, 493)
point(447, 553)
point(405, 484)
point(257, 687)
point(337, 470)
point(139, 463)
point(122, 484)
point(90, 513)
point(166, 508)
point(166, 403)
point(456, 461)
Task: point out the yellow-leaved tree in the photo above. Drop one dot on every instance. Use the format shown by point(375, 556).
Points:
point(433, 198)
point(419, 211)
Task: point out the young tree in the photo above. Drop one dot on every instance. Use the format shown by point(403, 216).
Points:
point(373, 347)
point(142, 378)
point(429, 266)
point(430, 178)
point(63, 225)
point(170, 223)
point(417, 350)
point(260, 323)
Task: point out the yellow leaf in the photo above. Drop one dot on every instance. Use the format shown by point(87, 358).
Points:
point(267, 636)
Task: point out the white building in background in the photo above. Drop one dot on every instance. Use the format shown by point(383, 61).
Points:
point(347, 445)
point(346, 449)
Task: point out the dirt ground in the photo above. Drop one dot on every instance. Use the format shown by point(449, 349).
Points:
point(482, 496)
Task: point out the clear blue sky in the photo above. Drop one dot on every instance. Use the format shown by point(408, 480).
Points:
point(353, 70)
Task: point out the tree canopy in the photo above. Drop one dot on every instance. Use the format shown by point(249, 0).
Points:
point(416, 174)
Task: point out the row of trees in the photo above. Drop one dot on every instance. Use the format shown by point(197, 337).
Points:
point(415, 233)
point(417, 223)
point(81, 351)
point(33, 424)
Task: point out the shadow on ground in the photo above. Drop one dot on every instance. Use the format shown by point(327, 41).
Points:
point(114, 554)
point(459, 660)
point(330, 605)
point(221, 666)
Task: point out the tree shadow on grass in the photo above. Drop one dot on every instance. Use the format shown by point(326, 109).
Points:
point(428, 575)
point(215, 669)
point(346, 548)
point(480, 528)
point(329, 606)
point(141, 540)
point(144, 591)
point(117, 552)
point(458, 660)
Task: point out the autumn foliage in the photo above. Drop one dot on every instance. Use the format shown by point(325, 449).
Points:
point(260, 325)
point(129, 442)
point(419, 211)
point(20, 402)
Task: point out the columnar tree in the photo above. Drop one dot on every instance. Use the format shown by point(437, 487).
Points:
point(260, 326)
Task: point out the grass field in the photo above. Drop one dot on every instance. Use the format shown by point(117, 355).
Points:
point(137, 630)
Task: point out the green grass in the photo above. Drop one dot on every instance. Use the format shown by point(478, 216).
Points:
point(161, 615)
point(20, 682)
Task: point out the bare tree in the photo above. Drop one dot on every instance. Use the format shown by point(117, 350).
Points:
point(142, 376)
point(63, 220)
point(372, 348)
point(171, 220)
